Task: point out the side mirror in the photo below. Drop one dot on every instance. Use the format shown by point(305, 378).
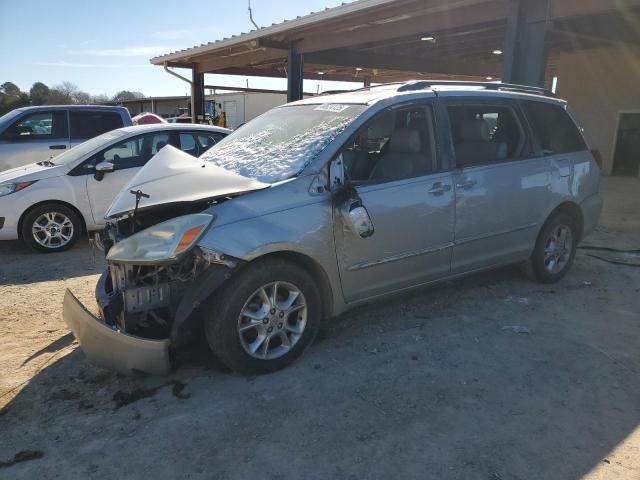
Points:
point(102, 168)
point(357, 218)
point(336, 173)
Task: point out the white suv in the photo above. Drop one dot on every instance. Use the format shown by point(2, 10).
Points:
point(49, 203)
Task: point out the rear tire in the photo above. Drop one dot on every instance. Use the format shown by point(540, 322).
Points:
point(555, 249)
point(264, 318)
point(51, 228)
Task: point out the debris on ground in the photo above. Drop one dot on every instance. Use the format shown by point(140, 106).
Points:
point(516, 329)
point(23, 456)
point(514, 299)
point(122, 398)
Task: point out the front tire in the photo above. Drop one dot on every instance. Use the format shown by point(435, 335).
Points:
point(264, 318)
point(555, 249)
point(51, 228)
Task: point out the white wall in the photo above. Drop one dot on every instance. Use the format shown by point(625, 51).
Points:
point(248, 105)
point(599, 84)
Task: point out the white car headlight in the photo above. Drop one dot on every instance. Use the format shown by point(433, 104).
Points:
point(163, 242)
point(7, 188)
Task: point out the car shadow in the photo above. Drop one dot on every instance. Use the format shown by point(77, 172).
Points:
point(438, 380)
point(19, 264)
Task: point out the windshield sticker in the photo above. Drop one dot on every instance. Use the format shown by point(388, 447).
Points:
point(332, 107)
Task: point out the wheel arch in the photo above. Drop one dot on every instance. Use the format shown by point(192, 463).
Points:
point(314, 269)
point(574, 211)
point(45, 202)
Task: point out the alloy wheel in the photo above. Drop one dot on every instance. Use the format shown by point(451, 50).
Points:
point(272, 320)
point(557, 251)
point(52, 230)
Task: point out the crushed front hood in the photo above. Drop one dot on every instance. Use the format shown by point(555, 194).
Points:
point(172, 176)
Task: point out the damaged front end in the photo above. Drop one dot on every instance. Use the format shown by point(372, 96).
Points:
point(155, 279)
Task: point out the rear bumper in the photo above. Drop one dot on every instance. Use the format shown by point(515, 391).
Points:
point(107, 347)
point(591, 209)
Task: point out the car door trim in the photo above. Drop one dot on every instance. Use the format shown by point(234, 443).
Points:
point(462, 241)
point(400, 256)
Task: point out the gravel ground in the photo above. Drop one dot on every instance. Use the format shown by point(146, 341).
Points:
point(491, 377)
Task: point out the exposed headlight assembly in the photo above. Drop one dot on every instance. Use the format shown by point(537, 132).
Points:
point(7, 188)
point(162, 243)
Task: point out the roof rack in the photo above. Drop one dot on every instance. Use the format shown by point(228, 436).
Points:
point(424, 84)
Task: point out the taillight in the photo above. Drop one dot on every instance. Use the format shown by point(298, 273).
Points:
point(597, 156)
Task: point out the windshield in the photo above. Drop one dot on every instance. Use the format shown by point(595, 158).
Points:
point(84, 148)
point(280, 143)
point(7, 117)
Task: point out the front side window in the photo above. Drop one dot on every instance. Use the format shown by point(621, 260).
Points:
point(91, 124)
point(394, 145)
point(553, 127)
point(485, 133)
point(280, 143)
point(131, 153)
point(40, 125)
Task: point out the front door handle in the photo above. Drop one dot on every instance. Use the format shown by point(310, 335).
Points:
point(57, 147)
point(439, 188)
point(466, 184)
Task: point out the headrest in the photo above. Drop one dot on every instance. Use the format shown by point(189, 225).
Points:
point(475, 130)
point(405, 140)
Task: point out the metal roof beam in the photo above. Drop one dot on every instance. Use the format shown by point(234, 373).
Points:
point(404, 63)
point(418, 25)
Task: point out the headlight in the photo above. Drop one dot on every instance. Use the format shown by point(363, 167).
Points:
point(162, 242)
point(7, 188)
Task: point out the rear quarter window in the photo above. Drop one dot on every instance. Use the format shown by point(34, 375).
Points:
point(91, 124)
point(553, 128)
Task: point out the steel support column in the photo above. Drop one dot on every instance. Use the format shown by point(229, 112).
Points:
point(197, 96)
point(294, 76)
point(525, 56)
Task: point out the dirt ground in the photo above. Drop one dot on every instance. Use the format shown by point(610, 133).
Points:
point(492, 377)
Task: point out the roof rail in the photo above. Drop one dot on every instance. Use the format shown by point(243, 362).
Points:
point(424, 84)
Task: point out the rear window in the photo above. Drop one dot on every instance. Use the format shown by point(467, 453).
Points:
point(554, 128)
point(91, 124)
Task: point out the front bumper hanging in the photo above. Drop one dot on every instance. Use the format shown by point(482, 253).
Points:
point(110, 348)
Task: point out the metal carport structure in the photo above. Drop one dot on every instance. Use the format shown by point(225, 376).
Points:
point(516, 41)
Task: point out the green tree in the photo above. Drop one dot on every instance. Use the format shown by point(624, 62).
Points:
point(11, 97)
point(125, 95)
point(100, 98)
point(67, 93)
point(39, 93)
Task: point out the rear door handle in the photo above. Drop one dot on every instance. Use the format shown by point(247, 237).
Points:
point(439, 188)
point(57, 147)
point(466, 184)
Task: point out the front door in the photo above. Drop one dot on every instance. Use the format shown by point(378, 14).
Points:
point(502, 191)
point(34, 137)
point(392, 163)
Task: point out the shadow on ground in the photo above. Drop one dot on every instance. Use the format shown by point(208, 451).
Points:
point(436, 384)
point(23, 265)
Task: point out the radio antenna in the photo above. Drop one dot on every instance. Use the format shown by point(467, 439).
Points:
point(251, 17)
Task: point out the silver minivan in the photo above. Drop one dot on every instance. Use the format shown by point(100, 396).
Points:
point(329, 202)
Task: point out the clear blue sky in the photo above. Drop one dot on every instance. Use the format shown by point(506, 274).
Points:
point(105, 46)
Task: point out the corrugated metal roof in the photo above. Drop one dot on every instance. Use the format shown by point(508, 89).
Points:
point(298, 22)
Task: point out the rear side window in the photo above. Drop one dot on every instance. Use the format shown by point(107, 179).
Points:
point(91, 124)
point(39, 125)
point(485, 133)
point(553, 127)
